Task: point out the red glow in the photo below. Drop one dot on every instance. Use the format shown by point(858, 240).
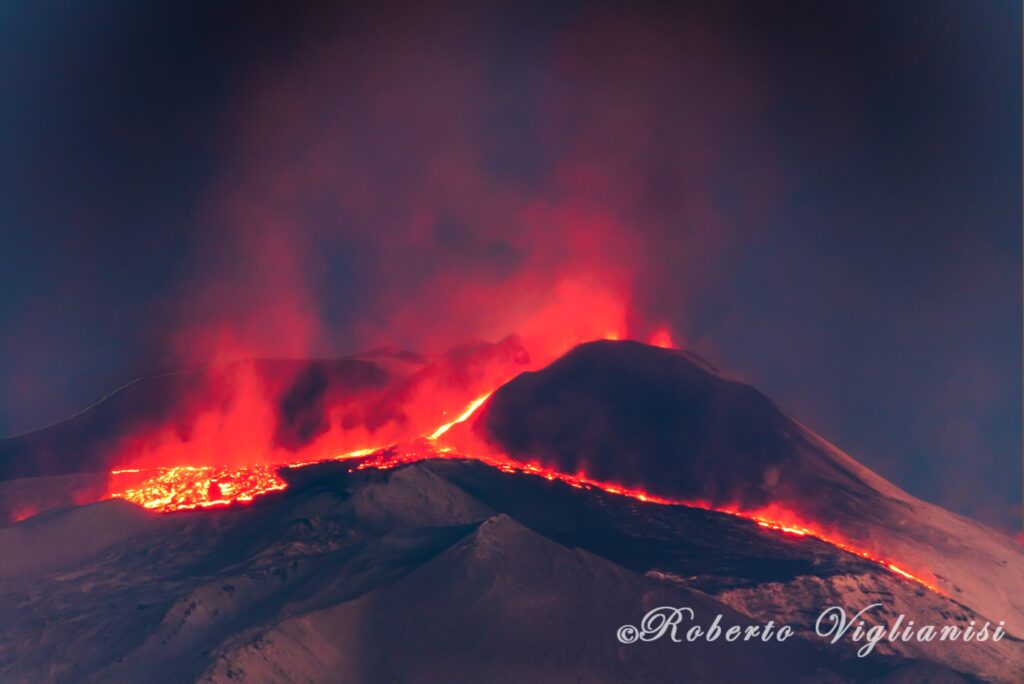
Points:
point(187, 487)
point(662, 338)
point(23, 513)
point(190, 487)
point(573, 311)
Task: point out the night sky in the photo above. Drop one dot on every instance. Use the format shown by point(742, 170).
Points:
point(822, 198)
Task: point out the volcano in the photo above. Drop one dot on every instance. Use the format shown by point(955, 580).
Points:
point(471, 518)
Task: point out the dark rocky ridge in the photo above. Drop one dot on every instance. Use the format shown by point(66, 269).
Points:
point(439, 571)
point(666, 422)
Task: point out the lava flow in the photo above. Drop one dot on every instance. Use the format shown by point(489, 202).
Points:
point(193, 487)
point(187, 487)
point(183, 488)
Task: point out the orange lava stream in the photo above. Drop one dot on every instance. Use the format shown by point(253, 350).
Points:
point(188, 487)
point(798, 530)
point(473, 406)
point(183, 488)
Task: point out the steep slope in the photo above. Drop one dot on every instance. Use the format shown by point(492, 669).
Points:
point(437, 571)
point(529, 610)
point(668, 423)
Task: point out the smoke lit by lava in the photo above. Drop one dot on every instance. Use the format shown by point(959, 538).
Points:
point(170, 489)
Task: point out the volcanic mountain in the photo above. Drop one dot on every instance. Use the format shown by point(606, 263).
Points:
point(671, 424)
point(507, 543)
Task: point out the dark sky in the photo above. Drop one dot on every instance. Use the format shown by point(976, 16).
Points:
point(823, 198)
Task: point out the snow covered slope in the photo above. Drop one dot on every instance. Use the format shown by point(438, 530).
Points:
point(435, 572)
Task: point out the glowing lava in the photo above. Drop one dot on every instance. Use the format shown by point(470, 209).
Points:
point(191, 487)
point(662, 338)
point(473, 406)
point(188, 487)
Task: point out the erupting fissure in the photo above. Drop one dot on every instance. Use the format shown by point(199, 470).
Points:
point(181, 488)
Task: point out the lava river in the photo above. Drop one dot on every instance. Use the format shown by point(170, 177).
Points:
point(182, 488)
